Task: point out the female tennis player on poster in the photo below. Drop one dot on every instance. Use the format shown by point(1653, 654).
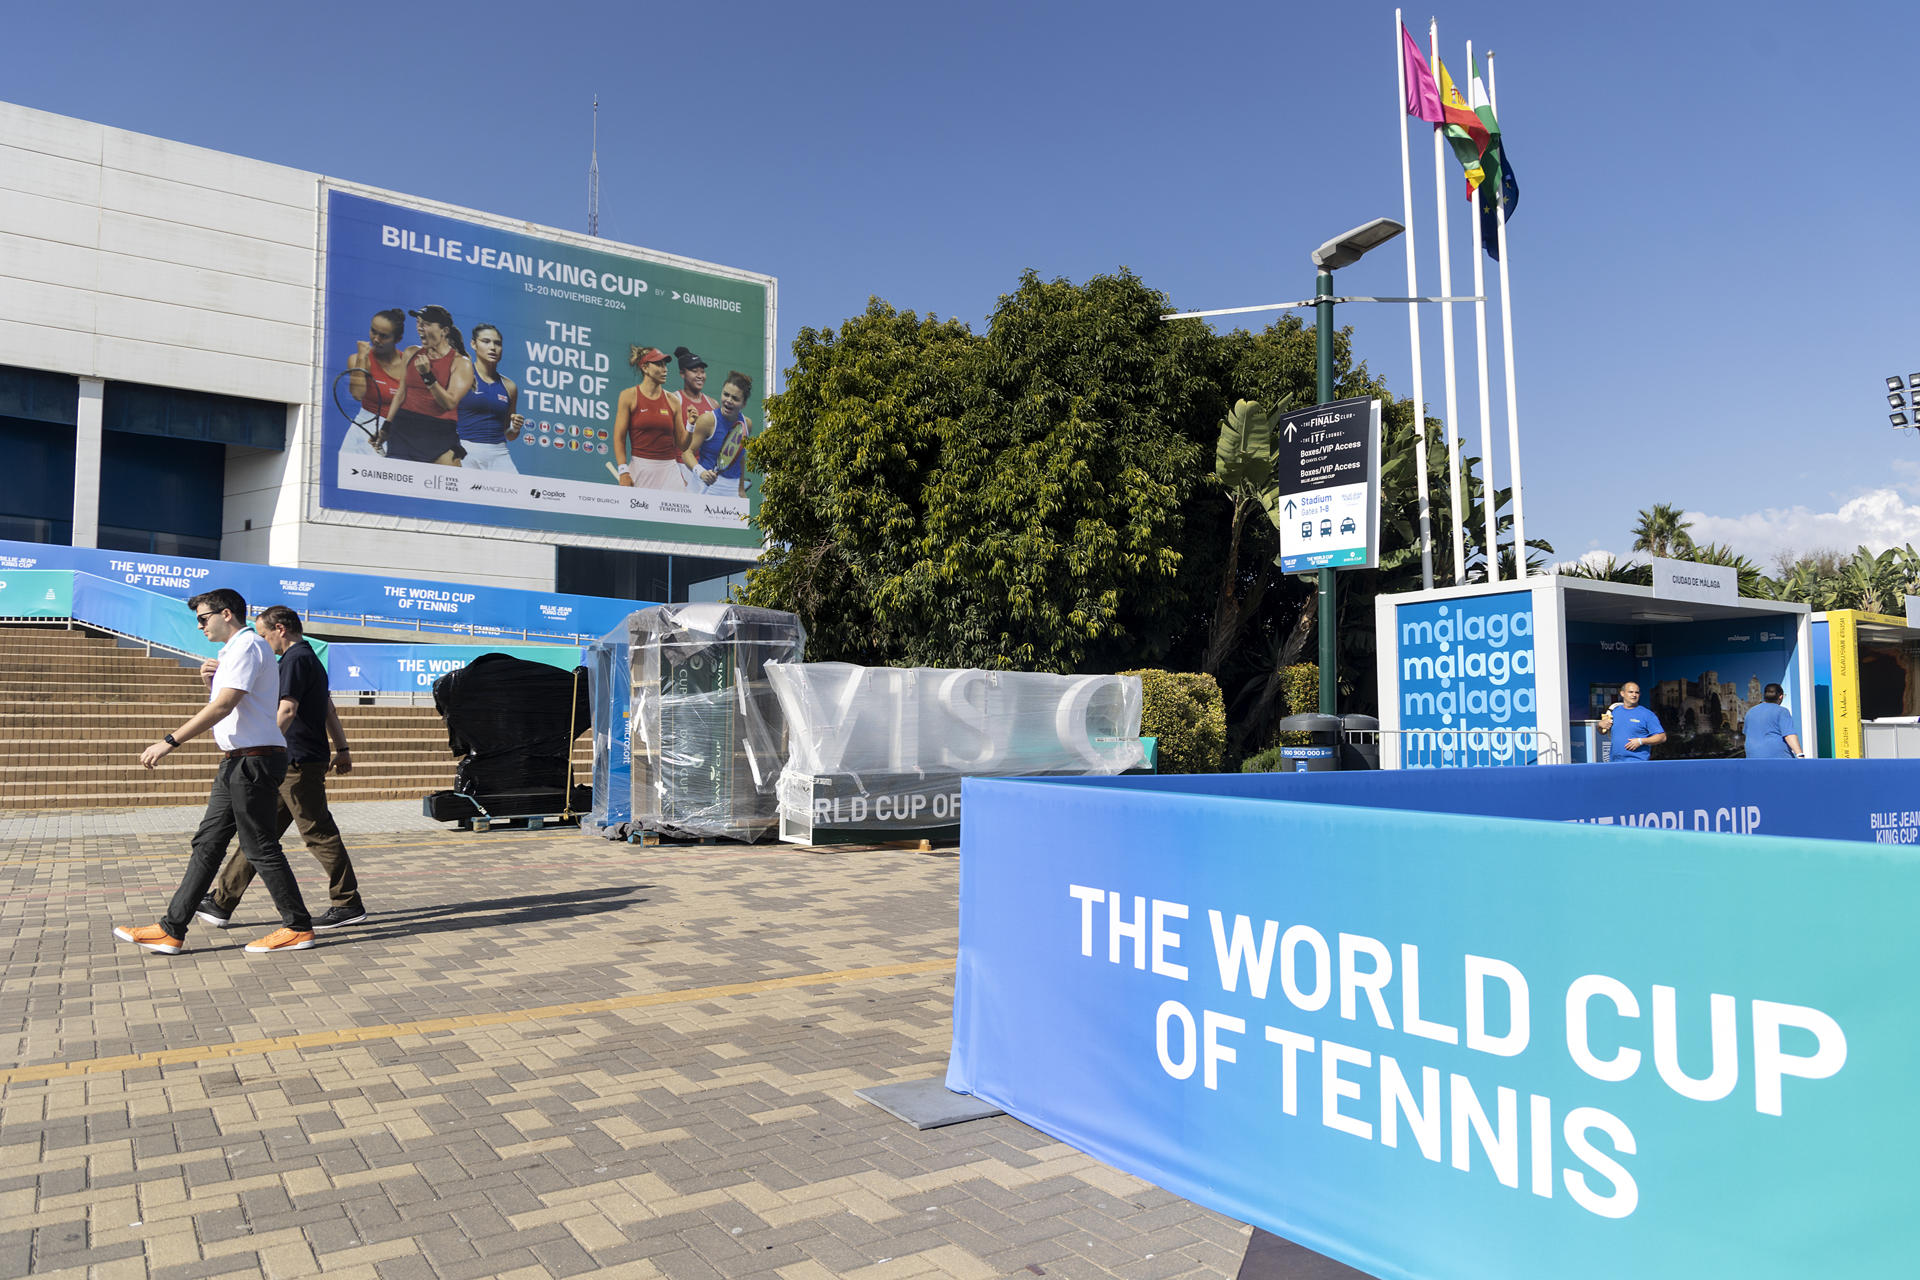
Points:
point(649, 433)
point(373, 375)
point(489, 420)
point(717, 444)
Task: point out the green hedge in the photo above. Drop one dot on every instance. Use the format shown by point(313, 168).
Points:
point(1267, 761)
point(1299, 691)
point(1184, 709)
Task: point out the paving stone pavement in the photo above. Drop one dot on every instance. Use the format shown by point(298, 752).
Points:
point(543, 1055)
point(356, 818)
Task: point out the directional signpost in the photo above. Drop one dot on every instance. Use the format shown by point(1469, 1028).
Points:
point(1329, 457)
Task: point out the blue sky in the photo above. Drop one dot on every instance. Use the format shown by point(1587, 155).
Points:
point(1706, 263)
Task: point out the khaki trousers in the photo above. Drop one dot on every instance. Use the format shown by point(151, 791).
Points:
point(303, 800)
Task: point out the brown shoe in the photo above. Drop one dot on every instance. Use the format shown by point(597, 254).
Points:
point(153, 938)
point(282, 940)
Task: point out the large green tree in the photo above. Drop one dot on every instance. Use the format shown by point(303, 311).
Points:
point(1050, 494)
point(1019, 498)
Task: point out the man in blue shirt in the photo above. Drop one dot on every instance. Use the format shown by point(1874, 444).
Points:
point(1634, 728)
point(1770, 731)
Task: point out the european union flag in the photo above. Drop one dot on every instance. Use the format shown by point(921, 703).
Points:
point(1508, 195)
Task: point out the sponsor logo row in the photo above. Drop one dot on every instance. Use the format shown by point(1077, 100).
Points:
point(532, 493)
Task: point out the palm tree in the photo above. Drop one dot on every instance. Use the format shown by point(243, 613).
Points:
point(1753, 583)
point(1662, 532)
point(1608, 569)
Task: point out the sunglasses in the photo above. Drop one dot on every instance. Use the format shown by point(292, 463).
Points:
point(201, 619)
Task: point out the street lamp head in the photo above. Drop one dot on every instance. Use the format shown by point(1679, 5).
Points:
point(1893, 383)
point(1898, 419)
point(1895, 400)
point(1348, 247)
point(1913, 380)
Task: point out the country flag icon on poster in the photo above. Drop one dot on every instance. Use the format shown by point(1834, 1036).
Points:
point(544, 442)
point(574, 445)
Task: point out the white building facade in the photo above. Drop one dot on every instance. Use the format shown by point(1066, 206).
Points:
point(163, 326)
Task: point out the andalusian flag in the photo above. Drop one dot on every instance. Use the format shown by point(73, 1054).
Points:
point(1464, 129)
point(1502, 189)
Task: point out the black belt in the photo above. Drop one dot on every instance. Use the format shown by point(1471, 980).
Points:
point(256, 751)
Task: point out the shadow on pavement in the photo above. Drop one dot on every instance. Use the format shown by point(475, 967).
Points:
point(490, 913)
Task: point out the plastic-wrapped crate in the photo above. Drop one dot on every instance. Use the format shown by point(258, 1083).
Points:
point(513, 723)
point(708, 735)
point(879, 752)
point(606, 660)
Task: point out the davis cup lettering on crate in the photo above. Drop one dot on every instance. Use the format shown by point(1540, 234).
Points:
point(1473, 1119)
point(910, 808)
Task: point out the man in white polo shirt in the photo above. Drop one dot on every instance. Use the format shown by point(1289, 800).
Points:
point(244, 695)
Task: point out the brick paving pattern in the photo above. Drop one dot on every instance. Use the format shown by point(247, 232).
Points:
point(543, 1055)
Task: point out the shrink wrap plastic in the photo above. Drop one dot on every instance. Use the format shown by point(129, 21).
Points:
point(708, 733)
point(882, 749)
point(513, 723)
point(606, 661)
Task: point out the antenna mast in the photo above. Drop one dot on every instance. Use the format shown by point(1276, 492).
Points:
point(593, 175)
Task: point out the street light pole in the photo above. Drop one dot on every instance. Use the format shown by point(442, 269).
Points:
point(1341, 251)
point(1323, 392)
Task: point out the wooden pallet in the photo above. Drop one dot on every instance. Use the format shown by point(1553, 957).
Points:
point(517, 821)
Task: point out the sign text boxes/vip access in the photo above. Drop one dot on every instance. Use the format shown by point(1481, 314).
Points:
point(1329, 476)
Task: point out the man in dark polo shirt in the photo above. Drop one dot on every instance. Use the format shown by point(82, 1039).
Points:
point(308, 719)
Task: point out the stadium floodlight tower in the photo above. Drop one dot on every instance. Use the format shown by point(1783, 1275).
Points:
point(1901, 397)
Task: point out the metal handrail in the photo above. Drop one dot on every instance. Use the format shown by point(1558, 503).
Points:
point(1459, 748)
point(455, 628)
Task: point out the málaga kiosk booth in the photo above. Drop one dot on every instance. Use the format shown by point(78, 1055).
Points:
point(1520, 672)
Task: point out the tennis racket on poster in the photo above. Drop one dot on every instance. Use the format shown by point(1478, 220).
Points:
point(730, 447)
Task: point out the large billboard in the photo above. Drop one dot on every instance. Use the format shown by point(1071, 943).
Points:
point(477, 374)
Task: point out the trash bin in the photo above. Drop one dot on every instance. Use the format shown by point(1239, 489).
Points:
point(1321, 752)
point(1360, 742)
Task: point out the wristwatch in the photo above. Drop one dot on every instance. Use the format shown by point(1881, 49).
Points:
point(171, 741)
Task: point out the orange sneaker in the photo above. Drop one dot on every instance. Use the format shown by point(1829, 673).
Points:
point(282, 940)
point(153, 938)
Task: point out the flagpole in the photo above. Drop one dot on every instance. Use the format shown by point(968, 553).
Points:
point(1413, 315)
point(1506, 325)
point(1486, 392)
point(1446, 325)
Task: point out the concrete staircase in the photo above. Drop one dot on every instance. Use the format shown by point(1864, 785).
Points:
point(77, 709)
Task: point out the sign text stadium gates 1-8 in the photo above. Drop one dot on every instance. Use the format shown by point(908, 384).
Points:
point(1329, 473)
point(565, 316)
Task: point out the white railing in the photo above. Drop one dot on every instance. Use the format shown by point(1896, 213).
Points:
point(1890, 739)
point(384, 623)
point(1459, 748)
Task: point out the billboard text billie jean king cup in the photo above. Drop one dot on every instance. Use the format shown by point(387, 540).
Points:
point(488, 376)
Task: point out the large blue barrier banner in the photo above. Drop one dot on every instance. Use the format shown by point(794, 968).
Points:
point(1874, 800)
point(406, 602)
point(157, 619)
point(412, 668)
point(35, 593)
point(1446, 1047)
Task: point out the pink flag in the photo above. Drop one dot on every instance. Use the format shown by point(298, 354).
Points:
point(1423, 95)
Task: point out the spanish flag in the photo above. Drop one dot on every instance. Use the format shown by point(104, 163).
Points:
point(1465, 130)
